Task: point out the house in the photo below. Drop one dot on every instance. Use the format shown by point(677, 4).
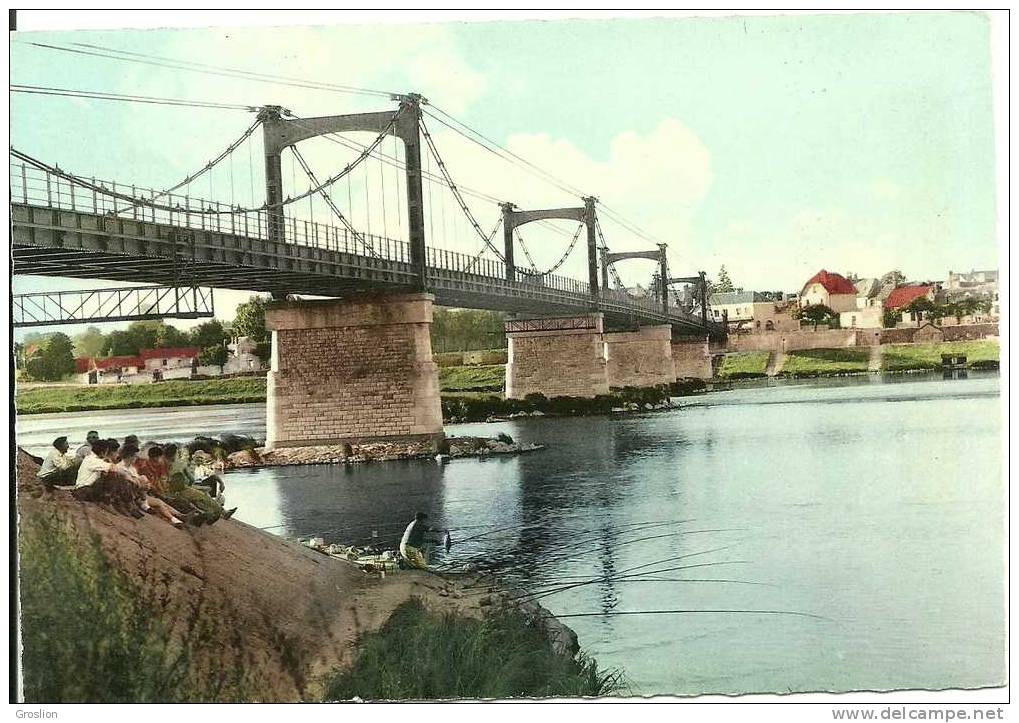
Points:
point(110, 370)
point(903, 296)
point(868, 313)
point(149, 365)
point(242, 357)
point(981, 285)
point(752, 311)
point(831, 289)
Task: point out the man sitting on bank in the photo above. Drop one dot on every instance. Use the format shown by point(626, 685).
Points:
point(411, 544)
point(84, 450)
point(59, 468)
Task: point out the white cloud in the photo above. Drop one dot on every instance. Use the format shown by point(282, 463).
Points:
point(441, 73)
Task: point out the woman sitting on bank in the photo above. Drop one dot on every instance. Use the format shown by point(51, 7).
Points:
point(150, 503)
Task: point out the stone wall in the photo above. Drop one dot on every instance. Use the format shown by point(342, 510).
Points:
point(692, 359)
point(352, 371)
point(640, 358)
point(837, 338)
point(559, 363)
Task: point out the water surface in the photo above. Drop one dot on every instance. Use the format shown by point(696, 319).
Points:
point(873, 503)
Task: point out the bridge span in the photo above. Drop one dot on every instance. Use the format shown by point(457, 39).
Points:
point(358, 365)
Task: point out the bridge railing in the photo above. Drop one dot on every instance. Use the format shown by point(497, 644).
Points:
point(36, 187)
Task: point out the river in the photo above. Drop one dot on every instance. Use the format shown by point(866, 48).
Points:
point(873, 503)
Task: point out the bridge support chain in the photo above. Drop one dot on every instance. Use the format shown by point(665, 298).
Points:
point(692, 358)
point(352, 370)
point(641, 358)
point(556, 356)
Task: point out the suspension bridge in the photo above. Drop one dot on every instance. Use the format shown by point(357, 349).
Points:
point(70, 225)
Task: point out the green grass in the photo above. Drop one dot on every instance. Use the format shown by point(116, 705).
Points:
point(38, 400)
point(903, 357)
point(91, 636)
point(743, 365)
point(45, 399)
point(823, 362)
point(487, 378)
point(421, 655)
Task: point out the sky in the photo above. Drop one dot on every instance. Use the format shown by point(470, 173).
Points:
point(776, 146)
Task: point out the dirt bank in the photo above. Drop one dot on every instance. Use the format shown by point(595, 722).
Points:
point(294, 614)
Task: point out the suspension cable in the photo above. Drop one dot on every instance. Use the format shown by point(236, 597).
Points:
point(200, 212)
point(127, 97)
point(477, 256)
point(329, 202)
point(562, 259)
point(456, 191)
point(524, 247)
point(204, 169)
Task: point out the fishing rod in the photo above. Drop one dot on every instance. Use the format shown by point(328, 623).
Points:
point(613, 613)
point(663, 561)
point(617, 578)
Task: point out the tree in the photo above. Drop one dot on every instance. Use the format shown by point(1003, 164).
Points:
point(724, 283)
point(52, 360)
point(89, 343)
point(168, 336)
point(120, 343)
point(890, 318)
point(210, 333)
point(249, 320)
point(893, 278)
point(817, 313)
point(213, 355)
point(921, 306)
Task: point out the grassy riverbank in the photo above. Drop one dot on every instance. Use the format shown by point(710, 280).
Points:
point(825, 362)
point(38, 400)
point(906, 357)
point(743, 365)
point(422, 655)
point(117, 610)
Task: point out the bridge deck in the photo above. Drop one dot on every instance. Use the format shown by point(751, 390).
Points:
point(56, 233)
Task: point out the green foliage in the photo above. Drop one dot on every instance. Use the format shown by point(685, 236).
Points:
point(129, 396)
point(890, 317)
point(89, 343)
point(91, 636)
point(903, 357)
point(208, 334)
point(138, 336)
point(923, 307)
point(419, 655)
point(249, 320)
point(817, 314)
point(724, 283)
point(825, 362)
point(52, 360)
point(213, 355)
point(743, 365)
point(467, 329)
point(489, 378)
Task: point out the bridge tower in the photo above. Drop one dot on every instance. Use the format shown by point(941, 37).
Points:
point(279, 133)
point(512, 218)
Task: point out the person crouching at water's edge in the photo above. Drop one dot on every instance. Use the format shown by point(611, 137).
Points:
point(412, 541)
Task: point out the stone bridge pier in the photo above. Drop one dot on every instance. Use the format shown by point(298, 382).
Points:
point(352, 370)
point(557, 357)
point(692, 358)
point(641, 358)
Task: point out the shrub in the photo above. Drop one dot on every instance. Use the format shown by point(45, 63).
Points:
point(90, 635)
point(422, 655)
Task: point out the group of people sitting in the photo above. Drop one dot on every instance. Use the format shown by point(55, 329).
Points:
point(168, 481)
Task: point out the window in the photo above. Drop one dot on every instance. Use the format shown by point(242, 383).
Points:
point(853, 320)
point(769, 325)
point(164, 362)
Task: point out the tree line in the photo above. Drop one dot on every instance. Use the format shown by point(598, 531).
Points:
point(49, 356)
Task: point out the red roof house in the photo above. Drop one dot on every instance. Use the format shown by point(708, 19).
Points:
point(184, 352)
point(903, 295)
point(833, 283)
